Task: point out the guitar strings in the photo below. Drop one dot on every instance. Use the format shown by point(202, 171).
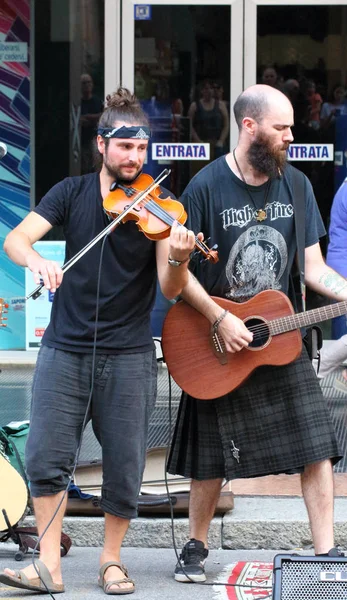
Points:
point(263, 328)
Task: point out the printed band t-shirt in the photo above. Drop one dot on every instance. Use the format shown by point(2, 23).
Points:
point(128, 274)
point(253, 256)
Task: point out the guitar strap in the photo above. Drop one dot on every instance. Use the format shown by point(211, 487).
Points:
point(313, 338)
point(298, 198)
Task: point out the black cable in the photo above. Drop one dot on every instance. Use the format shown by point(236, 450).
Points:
point(203, 583)
point(83, 424)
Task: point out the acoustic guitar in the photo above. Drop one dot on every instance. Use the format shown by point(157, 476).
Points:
point(202, 367)
point(13, 494)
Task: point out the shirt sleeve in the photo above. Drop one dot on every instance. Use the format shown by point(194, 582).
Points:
point(337, 248)
point(53, 205)
point(314, 226)
point(192, 205)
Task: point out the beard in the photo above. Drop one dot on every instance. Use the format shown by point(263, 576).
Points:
point(266, 159)
point(117, 172)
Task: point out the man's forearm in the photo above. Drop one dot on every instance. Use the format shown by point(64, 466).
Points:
point(18, 247)
point(195, 295)
point(173, 280)
point(328, 282)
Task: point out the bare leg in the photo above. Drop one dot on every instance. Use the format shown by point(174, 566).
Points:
point(44, 508)
point(115, 530)
point(203, 500)
point(317, 483)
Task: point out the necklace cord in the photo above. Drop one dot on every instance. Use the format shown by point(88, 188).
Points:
point(260, 213)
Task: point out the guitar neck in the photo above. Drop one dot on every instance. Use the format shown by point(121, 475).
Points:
point(304, 319)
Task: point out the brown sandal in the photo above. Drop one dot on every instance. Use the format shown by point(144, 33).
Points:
point(36, 584)
point(106, 585)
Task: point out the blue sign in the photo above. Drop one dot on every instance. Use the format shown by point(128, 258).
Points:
point(143, 12)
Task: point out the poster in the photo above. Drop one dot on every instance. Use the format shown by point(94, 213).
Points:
point(38, 311)
point(15, 165)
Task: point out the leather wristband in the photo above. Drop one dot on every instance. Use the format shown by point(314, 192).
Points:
point(177, 263)
point(219, 320)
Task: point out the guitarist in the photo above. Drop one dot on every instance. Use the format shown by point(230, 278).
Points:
point(277, 421)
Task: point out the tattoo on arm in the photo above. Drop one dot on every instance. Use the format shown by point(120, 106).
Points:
point(333, 282)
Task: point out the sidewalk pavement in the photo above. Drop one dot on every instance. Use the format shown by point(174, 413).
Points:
point(151, 569)
point(270, 523)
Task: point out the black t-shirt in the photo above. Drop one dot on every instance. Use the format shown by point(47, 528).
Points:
point(253, 256)
point(128, 274)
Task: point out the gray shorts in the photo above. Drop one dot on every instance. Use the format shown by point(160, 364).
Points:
point(124, 395)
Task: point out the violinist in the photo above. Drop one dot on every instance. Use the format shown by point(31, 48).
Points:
point(122, 378)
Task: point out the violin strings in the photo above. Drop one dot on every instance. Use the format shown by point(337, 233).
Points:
point(159, 212)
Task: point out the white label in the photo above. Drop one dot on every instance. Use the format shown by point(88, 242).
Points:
point(180, 152)
point(309, 152)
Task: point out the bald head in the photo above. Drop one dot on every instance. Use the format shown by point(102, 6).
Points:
point(257, 101)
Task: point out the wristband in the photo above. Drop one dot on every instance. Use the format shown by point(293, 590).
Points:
point(219, 320)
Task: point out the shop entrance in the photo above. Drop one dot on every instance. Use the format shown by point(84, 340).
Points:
point(179, 58)
point(300, 47)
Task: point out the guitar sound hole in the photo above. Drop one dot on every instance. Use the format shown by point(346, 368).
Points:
point(260, 332)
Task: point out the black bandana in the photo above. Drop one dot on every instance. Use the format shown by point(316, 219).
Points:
point(135, 131)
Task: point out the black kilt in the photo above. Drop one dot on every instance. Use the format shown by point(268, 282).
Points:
point(276, 422)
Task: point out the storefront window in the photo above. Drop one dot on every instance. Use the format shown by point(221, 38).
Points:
point(69, 87)
point(182, 77)
point(303, 53)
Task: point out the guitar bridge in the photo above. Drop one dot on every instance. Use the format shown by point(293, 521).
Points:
point(218, 347)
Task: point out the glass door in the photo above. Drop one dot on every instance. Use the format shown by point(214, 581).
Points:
point(183, 58)
point(300, 47)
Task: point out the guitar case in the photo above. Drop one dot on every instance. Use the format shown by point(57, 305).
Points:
point(26, 537)
point(153, 498)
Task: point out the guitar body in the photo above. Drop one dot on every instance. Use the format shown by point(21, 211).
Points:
point(13, 494)
point(190, 357)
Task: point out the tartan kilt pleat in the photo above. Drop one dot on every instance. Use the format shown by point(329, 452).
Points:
point(276, 422)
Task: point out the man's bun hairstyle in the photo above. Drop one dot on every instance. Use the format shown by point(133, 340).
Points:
point(122, 105)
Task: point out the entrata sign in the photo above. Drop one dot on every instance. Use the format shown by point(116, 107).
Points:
point(181, 151)
point(311, 152)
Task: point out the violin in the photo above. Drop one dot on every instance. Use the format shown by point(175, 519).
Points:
point(154, 216)
point(144, 206)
